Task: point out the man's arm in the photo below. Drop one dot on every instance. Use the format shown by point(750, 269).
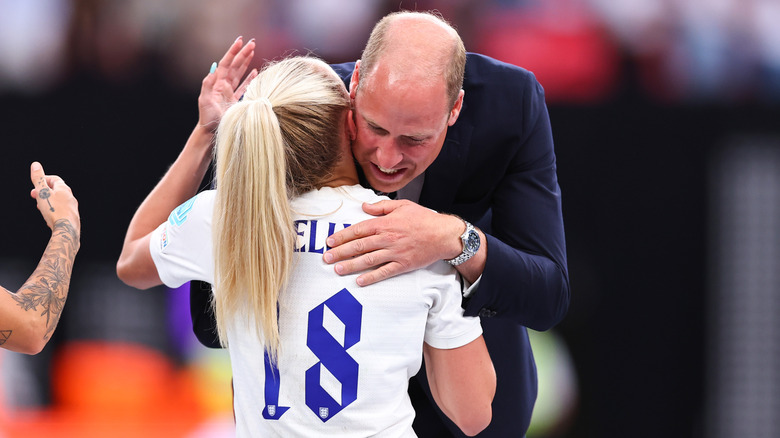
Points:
point(526, 274)
point(29, 316)
point(220, 88)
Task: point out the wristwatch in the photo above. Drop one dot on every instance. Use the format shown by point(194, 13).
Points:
point(471, 242)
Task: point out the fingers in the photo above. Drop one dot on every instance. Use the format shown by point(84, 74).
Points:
point(363, 262)
point(368, 227)
point(56, 183)
point(242, 88)
point(357, 231)
point(234, 50)
point(37, 176)
point(244, 57)
point(358, 255)
point(383, 207)
point(209, 80)
point(381, 273)
point(41, 181)
point(241, 64)
point(381, 260)
point(236, 61)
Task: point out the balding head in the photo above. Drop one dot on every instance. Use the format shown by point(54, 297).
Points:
point(416, 46)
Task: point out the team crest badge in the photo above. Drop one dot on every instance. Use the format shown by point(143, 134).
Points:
point(324, 413)
point(272, 410)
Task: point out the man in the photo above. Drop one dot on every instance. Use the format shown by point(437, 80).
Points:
point(29, 316)
point(485, 155)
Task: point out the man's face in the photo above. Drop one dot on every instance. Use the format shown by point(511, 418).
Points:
point(400, 129)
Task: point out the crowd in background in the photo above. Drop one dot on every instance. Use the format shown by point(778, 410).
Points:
point(582, 50)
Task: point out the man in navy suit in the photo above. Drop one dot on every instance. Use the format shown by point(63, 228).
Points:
point(478, 150)
point(483, 152)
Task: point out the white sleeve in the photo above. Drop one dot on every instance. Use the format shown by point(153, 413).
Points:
point(447, 327)
point(181, 247)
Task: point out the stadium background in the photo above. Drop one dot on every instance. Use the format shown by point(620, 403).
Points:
point(665, 119)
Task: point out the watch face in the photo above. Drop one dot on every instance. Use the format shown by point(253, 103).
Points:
point(472, 242)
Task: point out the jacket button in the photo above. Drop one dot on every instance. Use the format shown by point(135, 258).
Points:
point(487, 313)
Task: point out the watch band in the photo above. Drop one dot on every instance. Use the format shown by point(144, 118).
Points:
point(470, 239)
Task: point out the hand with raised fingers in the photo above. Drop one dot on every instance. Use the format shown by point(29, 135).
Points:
point(405, 236)
point(223, 85)
point(54, 198)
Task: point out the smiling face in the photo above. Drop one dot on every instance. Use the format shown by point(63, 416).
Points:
point(401, 126)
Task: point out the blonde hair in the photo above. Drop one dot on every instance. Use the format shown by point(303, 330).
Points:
point(380, 41)
point(281, 140)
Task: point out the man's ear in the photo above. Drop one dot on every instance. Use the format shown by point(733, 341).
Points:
point(455, 111)
point(351, 127)
point(354, 81)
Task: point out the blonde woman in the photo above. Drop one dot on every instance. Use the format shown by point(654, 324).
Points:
point(312, 353)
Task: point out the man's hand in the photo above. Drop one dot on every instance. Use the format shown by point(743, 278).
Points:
point(405, 237)
point(54, 197)
point(221, 87)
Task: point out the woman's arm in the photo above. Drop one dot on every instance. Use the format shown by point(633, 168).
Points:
point(29, 316)
point(463, 383)
point(181, 182)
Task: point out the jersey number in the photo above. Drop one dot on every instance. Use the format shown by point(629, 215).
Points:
point(333, 359)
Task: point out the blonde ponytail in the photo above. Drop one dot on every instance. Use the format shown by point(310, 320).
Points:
point(252, 214)
point(280, 141)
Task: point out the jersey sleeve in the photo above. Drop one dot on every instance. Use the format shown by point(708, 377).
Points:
point(447, 327)
point(181, 247)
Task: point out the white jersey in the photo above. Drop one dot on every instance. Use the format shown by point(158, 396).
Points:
point(347, 352)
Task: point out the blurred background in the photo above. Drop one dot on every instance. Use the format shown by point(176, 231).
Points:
point(666, 120)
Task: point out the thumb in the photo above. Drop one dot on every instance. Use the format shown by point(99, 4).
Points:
point(37, 176)
point(381, 207)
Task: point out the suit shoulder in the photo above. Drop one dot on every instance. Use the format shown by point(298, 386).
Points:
point(344, 70)
point(490, 83)
point(482, 68)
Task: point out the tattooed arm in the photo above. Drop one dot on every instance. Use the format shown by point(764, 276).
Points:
point(29, 316)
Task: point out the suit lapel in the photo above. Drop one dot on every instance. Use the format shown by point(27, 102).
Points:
point(445, 174)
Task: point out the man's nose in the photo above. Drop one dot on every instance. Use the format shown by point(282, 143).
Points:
point(388, 154)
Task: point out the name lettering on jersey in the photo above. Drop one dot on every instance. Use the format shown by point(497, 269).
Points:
point(312, 235)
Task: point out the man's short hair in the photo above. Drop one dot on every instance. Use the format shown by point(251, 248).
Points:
point(377, 44)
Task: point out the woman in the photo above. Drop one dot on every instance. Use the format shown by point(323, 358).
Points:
point(312, 353)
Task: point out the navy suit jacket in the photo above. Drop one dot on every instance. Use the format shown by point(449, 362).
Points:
point(497, 170)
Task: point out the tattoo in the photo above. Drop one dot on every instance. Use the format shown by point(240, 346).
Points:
point(48, 286)
point(45, 194)
point(4, 335)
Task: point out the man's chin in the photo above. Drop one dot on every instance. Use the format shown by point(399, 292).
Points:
point(383, 186)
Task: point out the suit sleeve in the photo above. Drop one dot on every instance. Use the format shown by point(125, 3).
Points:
point(526, 275)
